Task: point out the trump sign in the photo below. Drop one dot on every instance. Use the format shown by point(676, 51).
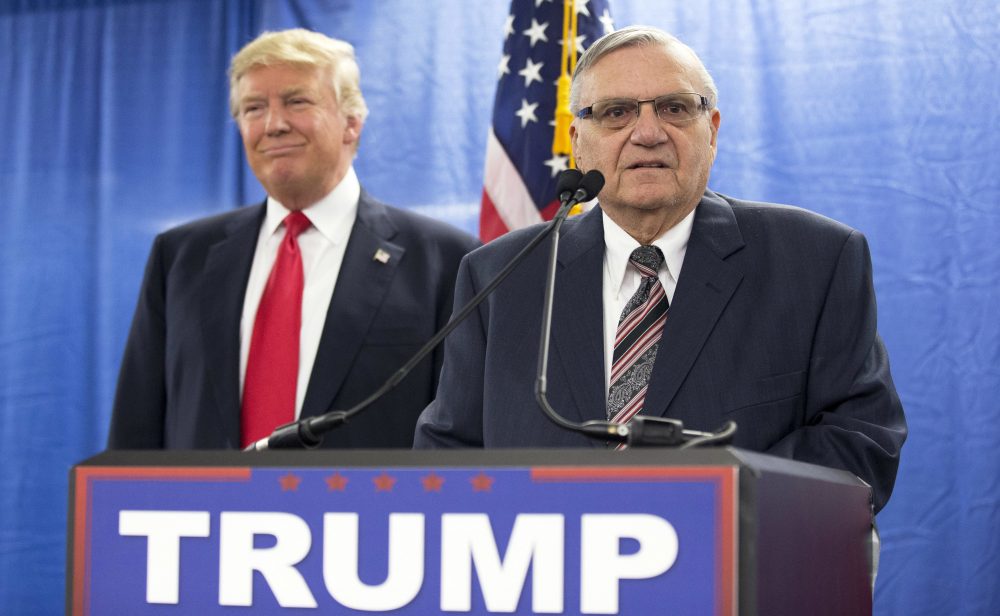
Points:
point(404, 539)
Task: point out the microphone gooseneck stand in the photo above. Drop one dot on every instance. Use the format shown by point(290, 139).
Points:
point(641, 430)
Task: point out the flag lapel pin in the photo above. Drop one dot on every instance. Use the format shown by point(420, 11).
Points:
point(381, 256)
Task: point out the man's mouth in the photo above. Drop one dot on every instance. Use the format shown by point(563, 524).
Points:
point(647, 165)
point(280, 150)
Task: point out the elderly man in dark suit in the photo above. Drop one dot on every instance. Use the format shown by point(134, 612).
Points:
point(672, 300)
point(253, 318)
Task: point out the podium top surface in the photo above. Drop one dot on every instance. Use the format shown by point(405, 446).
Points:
point(756, 463)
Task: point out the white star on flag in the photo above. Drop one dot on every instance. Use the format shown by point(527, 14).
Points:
point(557, 163)
point(579, 43)
point(536, 32)
point(526, 112)
point(531, 72)
point(503, 68)
point(605, 19)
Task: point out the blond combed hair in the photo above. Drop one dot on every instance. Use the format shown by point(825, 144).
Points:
point(301, 47)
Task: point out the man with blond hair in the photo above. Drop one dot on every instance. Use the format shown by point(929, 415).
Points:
point(311, 300)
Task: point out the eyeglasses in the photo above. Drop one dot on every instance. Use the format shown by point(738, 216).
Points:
point(676, 108)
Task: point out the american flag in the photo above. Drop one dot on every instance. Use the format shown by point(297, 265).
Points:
point(520, 178)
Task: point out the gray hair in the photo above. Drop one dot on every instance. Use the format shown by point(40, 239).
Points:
point(302, 47)
point(639, 36)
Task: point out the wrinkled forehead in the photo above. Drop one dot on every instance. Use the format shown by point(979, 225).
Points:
point(282, 77)
point(639, 72)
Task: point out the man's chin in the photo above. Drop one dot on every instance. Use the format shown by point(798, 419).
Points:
point(285, 183)
point(650, 199)
point(281, 175)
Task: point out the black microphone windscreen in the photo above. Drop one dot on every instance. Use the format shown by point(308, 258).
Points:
point(592, 183)
point(568, 182)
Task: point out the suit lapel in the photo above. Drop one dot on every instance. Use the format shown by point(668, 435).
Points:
point(361, 286)
point(578, 321)
point(227, 268)
point(706, 284)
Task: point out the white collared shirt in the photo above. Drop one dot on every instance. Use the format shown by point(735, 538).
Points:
point(621, 281)
point(322, 246)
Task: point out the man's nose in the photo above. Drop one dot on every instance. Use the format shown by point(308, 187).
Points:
point(648, 129)
point(275, 122)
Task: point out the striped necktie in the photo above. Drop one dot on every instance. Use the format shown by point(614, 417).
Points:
point(638, 337)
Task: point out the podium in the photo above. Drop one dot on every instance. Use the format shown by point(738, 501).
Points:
point(556, 531)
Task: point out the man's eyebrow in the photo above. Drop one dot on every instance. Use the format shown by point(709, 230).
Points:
point(294, 90)
point(251, 96)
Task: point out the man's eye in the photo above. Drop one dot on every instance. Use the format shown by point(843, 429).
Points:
point(252, 109)
point(615, 112)
point(673, 108)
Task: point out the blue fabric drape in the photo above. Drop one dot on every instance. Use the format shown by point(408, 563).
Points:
point(883, 115)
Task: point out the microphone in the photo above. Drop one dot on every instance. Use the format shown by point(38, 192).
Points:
point(567, 184)
point(572, 187)
point(590, 185)
point(641, 430)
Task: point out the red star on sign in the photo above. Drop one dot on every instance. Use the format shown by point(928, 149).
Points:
point(432, 482)
point(481, 482)
point(336, 482)
point(384, 483)
point(289, 482)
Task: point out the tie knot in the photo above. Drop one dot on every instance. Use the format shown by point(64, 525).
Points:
point(647, 260)
point(296, 223)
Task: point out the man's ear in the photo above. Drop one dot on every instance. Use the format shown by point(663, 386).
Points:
point(716, 121)
point(352, 132)
point(572, 141)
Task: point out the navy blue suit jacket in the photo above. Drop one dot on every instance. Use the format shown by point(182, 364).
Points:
point(772, 325)
point(179, 382)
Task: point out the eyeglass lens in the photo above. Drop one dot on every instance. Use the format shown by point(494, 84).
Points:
point(674, 108)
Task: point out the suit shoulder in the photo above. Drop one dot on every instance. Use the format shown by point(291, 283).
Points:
point(424, 227)
point(210, 227)
point(785, 218)
point(503, 248)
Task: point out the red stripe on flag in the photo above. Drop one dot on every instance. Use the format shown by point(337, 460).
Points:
point(490, 224)
point(549, 211)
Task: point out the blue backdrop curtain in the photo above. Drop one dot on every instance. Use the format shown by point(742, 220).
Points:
point(114, 126)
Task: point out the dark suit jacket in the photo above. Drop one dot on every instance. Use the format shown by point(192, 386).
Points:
point(179, 381)
point(772, 325)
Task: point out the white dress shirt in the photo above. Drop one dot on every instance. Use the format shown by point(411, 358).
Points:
point(322, 246)
point(621, 280)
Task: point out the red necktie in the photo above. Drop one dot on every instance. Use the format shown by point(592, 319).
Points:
point(273, 363)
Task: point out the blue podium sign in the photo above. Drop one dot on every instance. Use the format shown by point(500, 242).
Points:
point(405, 539)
